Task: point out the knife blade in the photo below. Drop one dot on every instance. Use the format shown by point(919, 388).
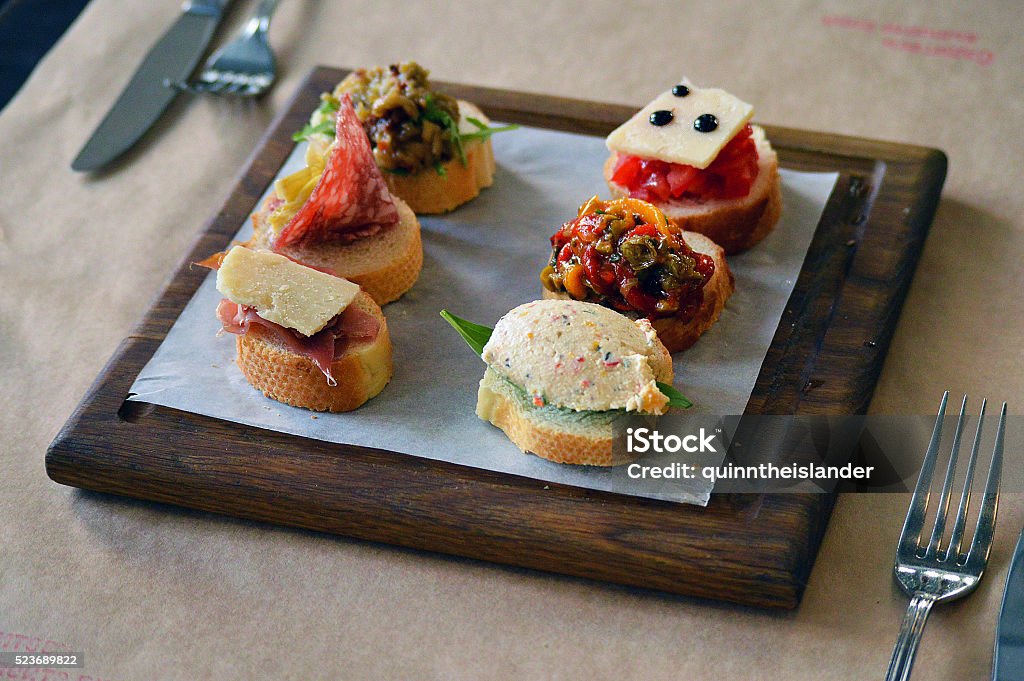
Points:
point(146, 97)
point(1008, 664)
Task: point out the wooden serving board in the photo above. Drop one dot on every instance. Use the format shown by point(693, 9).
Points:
point(825, 359)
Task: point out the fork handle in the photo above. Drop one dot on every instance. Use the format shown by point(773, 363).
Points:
point(910, 635)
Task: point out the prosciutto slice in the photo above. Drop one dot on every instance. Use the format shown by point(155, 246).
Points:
point(352, 327)
point(351, 195)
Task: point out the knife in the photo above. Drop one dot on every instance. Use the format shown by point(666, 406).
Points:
point(172, 59)
point(1008, 664)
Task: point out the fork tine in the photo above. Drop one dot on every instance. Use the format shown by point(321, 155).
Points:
point(957, 538)
point(985, 527)
point(914, 524)
point(947, 485)
point(213, 87)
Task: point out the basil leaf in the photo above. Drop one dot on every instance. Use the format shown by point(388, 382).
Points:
point(475, 335)
point(675, 398)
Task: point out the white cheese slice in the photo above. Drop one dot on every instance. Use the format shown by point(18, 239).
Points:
point(283, 291)
point(679, 141)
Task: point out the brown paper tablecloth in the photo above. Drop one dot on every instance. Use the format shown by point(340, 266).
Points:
point(150, 592)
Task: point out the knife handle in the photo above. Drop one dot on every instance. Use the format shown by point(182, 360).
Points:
point(204, 8)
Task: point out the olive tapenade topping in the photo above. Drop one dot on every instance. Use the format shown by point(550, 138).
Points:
point(625, 255)
point(391, 102)
point(411, 127)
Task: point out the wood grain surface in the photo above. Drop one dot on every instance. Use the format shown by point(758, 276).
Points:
point(753, 549)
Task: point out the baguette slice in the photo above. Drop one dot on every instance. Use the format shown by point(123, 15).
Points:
point(559, 435)
point(385, 265)
point(280, 374)
point(734, 224)
point(429, 192)
point(676, 335)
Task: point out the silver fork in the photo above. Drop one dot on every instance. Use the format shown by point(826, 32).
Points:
point(245, 66)
point(930, 575)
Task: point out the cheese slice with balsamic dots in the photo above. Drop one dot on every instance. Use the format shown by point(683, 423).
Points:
point(699, 123)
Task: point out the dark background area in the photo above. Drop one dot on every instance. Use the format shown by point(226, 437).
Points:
point(28, 29)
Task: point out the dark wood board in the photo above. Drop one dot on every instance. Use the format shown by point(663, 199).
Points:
point(758, 550)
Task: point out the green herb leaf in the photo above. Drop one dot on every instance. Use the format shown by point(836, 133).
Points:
point(439, 168)
point(325, 128)
point(397, 171)
point(439, 116)
point(484, 132)
point(328, 105)
point(675, 398)
point(475, 335)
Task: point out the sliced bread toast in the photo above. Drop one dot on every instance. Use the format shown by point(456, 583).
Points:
point(433, 192)
point(559, 435)
point(385, 264)
point(281, 374)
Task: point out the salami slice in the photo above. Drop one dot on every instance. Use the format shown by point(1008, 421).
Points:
point(350, 195)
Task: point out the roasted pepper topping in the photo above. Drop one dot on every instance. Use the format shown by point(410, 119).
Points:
point(623, 254)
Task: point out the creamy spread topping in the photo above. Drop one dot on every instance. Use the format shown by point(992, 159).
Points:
point(580, 356)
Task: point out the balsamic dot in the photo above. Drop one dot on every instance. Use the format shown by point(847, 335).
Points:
point(705, 123)
point(661, 117)
point(680, 90)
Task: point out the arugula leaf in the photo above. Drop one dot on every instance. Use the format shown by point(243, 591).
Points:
point(675, 398)
point(442, 118)
point(324, 128)
point(475, 335)
point(484, 132)
point(328, 105)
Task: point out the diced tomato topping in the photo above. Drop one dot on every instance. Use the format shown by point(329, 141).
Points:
point(730, 175)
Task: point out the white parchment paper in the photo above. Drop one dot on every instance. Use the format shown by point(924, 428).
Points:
point(479, 262)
